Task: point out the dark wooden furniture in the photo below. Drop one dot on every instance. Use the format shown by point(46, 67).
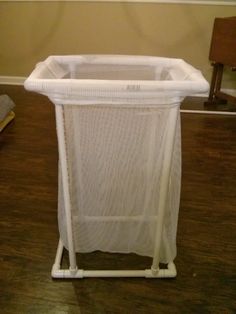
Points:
point(222, 54)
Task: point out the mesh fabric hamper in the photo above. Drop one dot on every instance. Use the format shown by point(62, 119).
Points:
point(116, 115)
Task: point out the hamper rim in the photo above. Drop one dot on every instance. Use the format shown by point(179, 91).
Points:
point(192, 82)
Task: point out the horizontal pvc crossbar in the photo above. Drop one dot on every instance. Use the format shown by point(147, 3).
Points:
point(57, 272)
point(147, 273)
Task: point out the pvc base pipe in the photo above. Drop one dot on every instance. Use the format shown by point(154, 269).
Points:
point(57, 272)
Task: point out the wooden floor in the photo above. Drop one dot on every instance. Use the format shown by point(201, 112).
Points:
point(206, 260)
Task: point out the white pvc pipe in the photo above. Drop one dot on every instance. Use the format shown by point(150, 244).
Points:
point(147, 273)
point(58, 258)
point(164, 185)
point(65, 183)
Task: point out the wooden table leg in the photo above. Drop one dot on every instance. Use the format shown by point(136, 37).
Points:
point(215, 87)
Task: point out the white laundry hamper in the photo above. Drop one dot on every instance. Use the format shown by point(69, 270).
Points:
point(119, 138)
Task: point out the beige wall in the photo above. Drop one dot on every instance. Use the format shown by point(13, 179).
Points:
point(30, 31)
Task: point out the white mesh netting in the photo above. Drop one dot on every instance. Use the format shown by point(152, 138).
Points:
point(115, 161)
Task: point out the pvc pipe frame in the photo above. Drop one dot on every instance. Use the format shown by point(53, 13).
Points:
point(73, 271)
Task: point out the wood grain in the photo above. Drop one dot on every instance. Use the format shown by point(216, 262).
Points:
point(206, 281)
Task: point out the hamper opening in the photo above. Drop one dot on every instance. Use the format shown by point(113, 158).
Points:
point(122, 72)
point(118, 72)
point(106, 72)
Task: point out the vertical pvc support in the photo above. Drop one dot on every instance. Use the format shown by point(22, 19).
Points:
point(164, 184)
point(65, 183)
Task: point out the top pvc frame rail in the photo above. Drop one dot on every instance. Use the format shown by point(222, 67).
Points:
point(196, 2)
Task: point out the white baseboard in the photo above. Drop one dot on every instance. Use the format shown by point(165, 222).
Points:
point(231, 91)
point(12, 80)
point(209, 112)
